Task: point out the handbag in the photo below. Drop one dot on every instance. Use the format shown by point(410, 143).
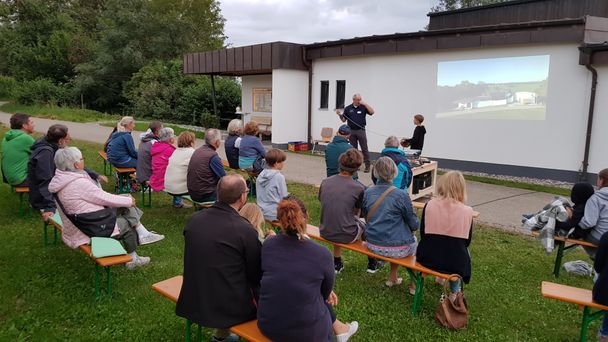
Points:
point(452, 311)
point(99, 223)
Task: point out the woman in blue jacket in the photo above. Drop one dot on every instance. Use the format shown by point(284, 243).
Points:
point(251, 150)
point(121, 148)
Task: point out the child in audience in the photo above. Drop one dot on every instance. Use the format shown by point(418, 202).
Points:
point(341, 198)
point(270, 184)
point(446, 230)
point(600, 289)
point(254, 215)
point(595, 219)
point(416, 142)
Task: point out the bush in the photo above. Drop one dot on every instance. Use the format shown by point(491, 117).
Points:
point(209, 120)
point(39, 91)
point(7, 87)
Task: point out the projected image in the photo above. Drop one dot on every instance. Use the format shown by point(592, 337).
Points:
point(511, 88)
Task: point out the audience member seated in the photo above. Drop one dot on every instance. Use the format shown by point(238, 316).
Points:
point(579, 195)
point(254, 215)
point(177, 169)
point(41, 169)
point(341, 199)
point(232, 143)
point(335, 148)
point(221, 263)
point(446, 230)
point(404, 170)
point(161, 152)
point(121, 148)
point(391, 219)
point(296, 296)
point(595, 218)
point(270, 184)
point(600, 289)
point(144, 154)
point(16, 149)
point(251, 150)
point(205, 168)
point(80, 194)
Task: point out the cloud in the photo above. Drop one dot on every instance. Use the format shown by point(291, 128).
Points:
point(307, 21)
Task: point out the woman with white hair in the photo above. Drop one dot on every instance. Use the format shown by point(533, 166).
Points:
point(391, 219)
point(233, 141)
point(161, 152)
point(80, 194)
point(120, 146)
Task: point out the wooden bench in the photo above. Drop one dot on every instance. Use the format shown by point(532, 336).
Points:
point(22, 191)
point(578, 296)
point(123, 174)
point(106, 262)
point(561, 242)
point(415, 270)
point(264, 125)
point(171, 288)
point(198, 205)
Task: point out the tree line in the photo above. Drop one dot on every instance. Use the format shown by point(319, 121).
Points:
point(118, 56)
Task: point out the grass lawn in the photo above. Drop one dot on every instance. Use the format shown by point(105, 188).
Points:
point(59, 113)
point(46, 293)
point(143, 126)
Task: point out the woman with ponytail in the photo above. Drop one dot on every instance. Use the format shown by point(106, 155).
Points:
point(296, 296)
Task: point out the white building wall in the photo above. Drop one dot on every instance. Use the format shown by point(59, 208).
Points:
point(400, 86)
point(289, 106)
point(248, 84)
point(598, 158)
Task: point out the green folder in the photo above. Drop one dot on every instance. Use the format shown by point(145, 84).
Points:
point(104, 247)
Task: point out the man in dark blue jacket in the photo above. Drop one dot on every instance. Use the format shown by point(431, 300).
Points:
point(335, 148)
point(404, 175)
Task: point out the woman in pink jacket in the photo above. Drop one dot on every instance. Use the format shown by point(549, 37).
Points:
point(79, 194)
point(161, 152)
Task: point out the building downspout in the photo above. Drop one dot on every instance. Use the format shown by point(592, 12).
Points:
point(308, 66)
point(583, 175)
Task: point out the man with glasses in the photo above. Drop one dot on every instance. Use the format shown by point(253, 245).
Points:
point(222, 263)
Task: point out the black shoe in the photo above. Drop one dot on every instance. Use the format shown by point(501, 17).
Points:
point(374, 266)
point(366, 169)
point(338, 266)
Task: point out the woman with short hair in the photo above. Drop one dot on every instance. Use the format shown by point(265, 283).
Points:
point(446, 230)
point(233, 142)
point(177, 169)
point(79, 194)
point(296, 296)
point(251, 150)
point(120, 146)
point(391, 219)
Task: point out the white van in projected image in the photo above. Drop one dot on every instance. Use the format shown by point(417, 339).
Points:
point(510, 88)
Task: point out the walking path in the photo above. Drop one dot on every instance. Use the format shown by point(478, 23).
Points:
point(499, 206)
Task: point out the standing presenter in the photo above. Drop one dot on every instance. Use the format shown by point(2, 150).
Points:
point(354, 115)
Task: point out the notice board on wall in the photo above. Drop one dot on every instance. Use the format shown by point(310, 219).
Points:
point(262, 100)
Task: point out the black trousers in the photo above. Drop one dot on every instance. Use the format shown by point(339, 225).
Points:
point(359, 137)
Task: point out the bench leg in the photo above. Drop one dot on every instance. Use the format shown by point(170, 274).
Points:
point(558, 258)
point(97, 291)
point(589, 317)
point(54, 235)
point(108, 280)
point(418, 280)
point(45, 231)
point(147, 189)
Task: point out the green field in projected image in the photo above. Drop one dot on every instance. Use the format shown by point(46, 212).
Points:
point(498, 113)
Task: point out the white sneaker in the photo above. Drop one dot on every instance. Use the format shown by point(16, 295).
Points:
point(137, 262)
point(391, 284)
point(352, 329)
point(150, 238)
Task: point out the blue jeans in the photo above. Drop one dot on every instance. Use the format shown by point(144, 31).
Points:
point(177, 200)
point(604, 327)
point(454, 285)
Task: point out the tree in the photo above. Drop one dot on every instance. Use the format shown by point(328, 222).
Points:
point(448, 5)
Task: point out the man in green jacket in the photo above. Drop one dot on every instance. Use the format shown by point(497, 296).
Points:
point(16, 149)
point(335, 148)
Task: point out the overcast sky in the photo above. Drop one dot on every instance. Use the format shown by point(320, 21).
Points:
point(307, 21)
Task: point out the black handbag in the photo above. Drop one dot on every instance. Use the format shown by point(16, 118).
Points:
point(99, 223)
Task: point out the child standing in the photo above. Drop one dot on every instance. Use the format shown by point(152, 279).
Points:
point(416, 142)
point(270, 184)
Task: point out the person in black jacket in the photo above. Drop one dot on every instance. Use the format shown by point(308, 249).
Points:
point(600, 289)
point(41, 169)
point(232, 143)
point(579, 195)
point(416, 142)
point(221, 263)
